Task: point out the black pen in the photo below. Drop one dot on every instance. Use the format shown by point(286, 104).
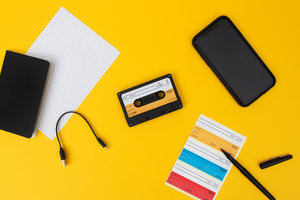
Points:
point(248, 175)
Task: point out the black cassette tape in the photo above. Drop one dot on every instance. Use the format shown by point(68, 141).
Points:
point(150, 100)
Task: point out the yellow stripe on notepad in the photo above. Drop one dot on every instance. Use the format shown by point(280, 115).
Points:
point(213, 141)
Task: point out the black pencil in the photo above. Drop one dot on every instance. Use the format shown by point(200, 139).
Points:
point(248, 175)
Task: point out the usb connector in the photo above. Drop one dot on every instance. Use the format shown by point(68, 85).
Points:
point(101, 143)
point(62, 156)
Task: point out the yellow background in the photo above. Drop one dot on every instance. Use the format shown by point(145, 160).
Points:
point(154, 38)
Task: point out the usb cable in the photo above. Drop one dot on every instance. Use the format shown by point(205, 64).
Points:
point(61, 150)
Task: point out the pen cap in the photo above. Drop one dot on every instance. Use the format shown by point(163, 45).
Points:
point(274, 161)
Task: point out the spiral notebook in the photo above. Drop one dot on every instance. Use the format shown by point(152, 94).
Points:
point(79, 58)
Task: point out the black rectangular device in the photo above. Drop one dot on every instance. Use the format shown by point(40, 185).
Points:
point(149, 100)
point(234, 61)
point(22, 84)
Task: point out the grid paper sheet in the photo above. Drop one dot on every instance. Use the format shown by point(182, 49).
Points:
point(79, 58)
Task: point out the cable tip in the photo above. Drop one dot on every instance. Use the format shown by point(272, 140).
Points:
point(62, 156)
point(101, 143)
point(105, 147)
point(63, 163)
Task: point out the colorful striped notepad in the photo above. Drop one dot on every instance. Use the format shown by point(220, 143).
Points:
point(201, 167)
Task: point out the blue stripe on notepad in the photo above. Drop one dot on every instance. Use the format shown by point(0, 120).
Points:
point(202, 164)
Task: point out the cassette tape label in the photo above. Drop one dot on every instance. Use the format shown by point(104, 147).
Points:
point(132, 110)
point(164, 85)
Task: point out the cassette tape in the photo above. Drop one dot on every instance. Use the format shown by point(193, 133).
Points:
point(150, 100)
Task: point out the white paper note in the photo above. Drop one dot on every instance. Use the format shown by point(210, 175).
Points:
point(79, 58)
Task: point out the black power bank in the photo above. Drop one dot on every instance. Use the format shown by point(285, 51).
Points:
point(22, 85)
point(234, 61)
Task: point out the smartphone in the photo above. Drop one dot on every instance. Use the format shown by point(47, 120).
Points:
point(234, 61)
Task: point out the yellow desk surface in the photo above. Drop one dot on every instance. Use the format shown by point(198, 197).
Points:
point(154, 38)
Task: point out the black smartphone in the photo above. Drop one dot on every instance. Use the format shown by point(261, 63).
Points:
point(234, 61)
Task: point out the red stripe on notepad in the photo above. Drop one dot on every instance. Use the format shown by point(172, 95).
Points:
point(190, 187)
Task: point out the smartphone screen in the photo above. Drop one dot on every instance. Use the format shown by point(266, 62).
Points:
point(234, 61)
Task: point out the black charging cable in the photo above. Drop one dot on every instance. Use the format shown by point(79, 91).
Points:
point(61, 150)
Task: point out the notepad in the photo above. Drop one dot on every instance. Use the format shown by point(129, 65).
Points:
point(23, 84)
point(202, 168)
point(79, 58)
